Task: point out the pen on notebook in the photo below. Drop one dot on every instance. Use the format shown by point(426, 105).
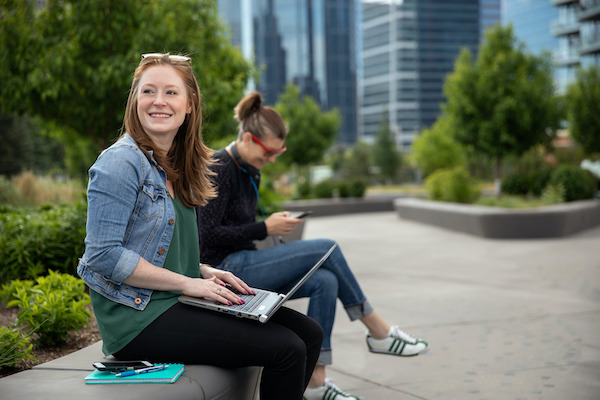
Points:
point(142, 371)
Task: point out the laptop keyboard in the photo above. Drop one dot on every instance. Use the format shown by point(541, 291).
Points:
point(252, 301)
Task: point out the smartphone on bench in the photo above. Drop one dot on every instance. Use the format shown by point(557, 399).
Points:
point(121, 366)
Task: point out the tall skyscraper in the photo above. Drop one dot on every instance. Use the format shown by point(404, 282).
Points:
point(490, 13)
point(306, 42)
point(578, 31)
point(531, 21)
point(408, 48)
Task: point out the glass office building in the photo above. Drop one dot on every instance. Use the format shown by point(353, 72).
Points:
point(306, 42)
point(578, 31)
point(408, 48)
point(531, 21)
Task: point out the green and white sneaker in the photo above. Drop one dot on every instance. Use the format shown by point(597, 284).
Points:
point(398, 343)
point(329, 391)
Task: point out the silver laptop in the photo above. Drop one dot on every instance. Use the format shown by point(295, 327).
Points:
point(260, 306)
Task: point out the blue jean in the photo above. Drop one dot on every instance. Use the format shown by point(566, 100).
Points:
point(280, 267)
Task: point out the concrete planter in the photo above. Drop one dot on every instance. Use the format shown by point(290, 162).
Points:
point(328, 207)
point(499, 223)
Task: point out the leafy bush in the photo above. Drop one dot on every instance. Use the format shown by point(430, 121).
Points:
point(352, 188)
point(8, 290)
point(329, 188)
point(358, 187)
point(343, 188)
point(553, 194)
point(14, 346)
point(515, 184)
point(8, 193)
point(527, 180)
point(270, 200)
point(35, 240)
point(324, 189)
point(455, 185)
point(303, 190)
point(578, 184)
point(52, 307)
point(539, 180)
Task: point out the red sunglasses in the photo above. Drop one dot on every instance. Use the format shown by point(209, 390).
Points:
point(268, 151)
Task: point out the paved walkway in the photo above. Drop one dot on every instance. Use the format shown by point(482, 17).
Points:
point(506, 319)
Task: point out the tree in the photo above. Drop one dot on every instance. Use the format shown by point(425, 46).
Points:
point(583, 98)
point(436, 149)
point(357, 162)
point(71, 62)
point(24, 147)
point(311, 130)
point(385, 152)
point(505, 102)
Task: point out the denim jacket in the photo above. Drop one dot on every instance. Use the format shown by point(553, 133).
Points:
point(129, 216)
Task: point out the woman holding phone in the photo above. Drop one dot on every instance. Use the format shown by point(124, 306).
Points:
point(228, 228)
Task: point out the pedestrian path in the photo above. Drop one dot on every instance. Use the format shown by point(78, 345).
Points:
point(506, 319)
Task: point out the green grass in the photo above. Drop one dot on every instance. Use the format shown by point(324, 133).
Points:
point(515, 202)
point(550, 197)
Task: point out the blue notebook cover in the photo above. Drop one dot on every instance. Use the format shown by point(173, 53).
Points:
point(167, 375)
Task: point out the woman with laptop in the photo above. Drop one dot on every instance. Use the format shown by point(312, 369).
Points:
point(228, 228)
point(142, 250)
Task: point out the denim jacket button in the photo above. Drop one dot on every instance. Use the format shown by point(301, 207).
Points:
point(161, 251)
point(171, 221)
point(137, 300)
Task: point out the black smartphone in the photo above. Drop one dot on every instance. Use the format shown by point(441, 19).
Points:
point(303, 214)
point(120, 366)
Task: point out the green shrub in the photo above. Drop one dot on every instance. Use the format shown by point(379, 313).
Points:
point(578, 184)
point(515, 184)
point(343, 188)
point(553, 194)
point(303, 190)
point(352, 188)
point(33, 240)
point(357, 187)
point(14, 346)
point(8, 291)
point(51, 307)
point(324, 189)
point(539, 180)
point(8, 193)
point(455, 185)
point(269, 199)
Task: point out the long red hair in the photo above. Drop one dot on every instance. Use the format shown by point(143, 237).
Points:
point(187, 162)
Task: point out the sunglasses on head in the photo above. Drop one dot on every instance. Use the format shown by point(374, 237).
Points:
point(171, 57)
point(268, 151)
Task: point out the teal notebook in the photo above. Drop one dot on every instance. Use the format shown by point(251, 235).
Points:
point(167, 375)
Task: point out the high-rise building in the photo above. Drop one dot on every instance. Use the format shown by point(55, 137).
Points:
point(578, 31)
point(306, 42)
point(408, 48)
point(531, 21)
point(490, 13)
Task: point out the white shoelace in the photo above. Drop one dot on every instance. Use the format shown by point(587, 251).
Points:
point(398, 333)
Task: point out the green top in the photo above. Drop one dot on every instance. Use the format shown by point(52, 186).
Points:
point(119, 324)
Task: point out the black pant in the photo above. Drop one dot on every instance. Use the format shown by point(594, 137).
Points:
point(287, 346)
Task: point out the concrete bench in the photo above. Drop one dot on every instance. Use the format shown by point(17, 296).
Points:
point(63, 379)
